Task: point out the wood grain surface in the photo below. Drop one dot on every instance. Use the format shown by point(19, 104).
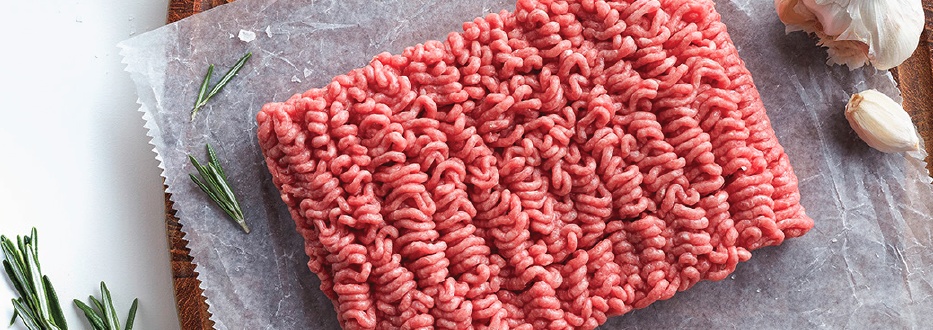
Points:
point(914, 78)
point(179, 9)
point(189, 298)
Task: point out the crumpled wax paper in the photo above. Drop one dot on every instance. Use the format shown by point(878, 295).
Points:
point(866, 265)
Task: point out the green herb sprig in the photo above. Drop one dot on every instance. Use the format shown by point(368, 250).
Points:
point(217, 186)
point(104, 317)
point(204, 95)
point(38, 304)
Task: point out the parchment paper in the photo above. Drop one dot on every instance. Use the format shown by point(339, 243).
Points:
point(866, 265)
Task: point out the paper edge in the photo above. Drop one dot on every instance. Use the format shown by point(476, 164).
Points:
point(154, 133)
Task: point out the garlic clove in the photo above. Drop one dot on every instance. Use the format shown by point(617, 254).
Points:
point(890, 28)
point(881, 123)
point(795, 15)
point(856, 32)
point(833, 16)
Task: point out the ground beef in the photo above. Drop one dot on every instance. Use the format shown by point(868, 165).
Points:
point(544, 169)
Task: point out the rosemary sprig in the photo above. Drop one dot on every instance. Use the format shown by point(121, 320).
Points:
point(204, 95)
point(37, 304)
point(217, 186)
point(104, 317)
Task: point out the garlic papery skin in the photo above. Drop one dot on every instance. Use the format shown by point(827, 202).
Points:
point(881, 32)
point(881, 122)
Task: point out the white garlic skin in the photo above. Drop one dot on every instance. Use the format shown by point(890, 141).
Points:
point(881, 32)
point(881, 122)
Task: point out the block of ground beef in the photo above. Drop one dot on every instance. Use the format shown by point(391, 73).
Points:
point(543, 169)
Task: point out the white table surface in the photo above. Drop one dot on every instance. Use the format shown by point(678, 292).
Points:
point(76, 162)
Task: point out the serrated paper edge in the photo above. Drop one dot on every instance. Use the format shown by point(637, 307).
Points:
point(154, 132)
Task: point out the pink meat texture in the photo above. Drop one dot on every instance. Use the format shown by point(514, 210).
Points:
point(543, 169)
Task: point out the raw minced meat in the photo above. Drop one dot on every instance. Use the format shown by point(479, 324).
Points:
point(546, 168)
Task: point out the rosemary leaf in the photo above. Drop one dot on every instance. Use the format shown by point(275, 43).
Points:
point(202, 98)
point(214, 183)
point(202, 92)
point(207, 80)
point(212, 169)
point(91, 316)
point(18, 285)
point(13, 320)
point(34, 239)
point(113, 322)
point(229, 75)
point(26, 315)
point(100, 308)
point(36, 278)
point(56, 308)
point(131, 317)
point(17, 265)
point(212, 159)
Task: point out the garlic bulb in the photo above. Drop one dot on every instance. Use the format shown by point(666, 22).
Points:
point(882, 32)
point(881, 122)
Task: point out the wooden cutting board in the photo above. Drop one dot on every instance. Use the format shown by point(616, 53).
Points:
point(914, 77)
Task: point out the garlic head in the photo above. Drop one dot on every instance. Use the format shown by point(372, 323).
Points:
point(881, 122)
point(881, 32)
